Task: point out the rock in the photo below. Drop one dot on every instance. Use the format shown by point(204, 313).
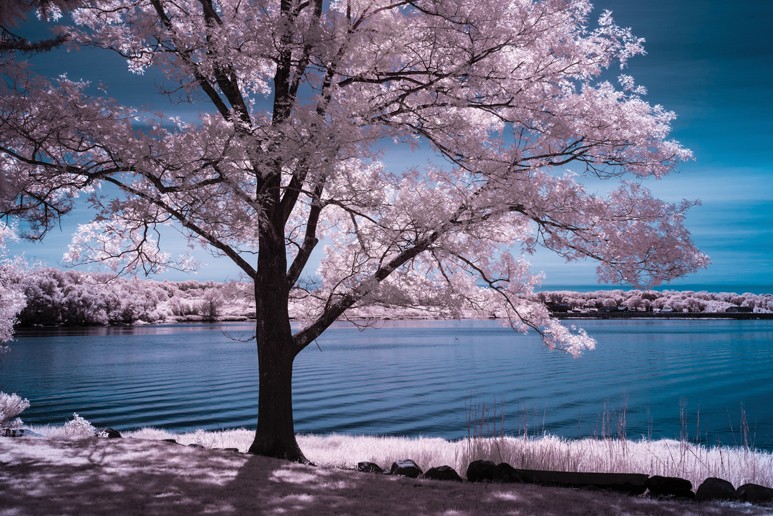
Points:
point(231, 450)
point(369, 467)
point(715, 489)
point(194, 445)
point(405, 468)
point(173, 441)
point(627, 483)
point(110, 433)
point(669, 486)
point(481, 471)
point(442, 473)
point(504, 473)
point(754, 493)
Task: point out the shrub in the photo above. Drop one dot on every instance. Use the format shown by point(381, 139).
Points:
point(79, 427)
point(11, 405)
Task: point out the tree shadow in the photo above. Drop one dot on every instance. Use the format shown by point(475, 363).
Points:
point(94, 476)
point(286, 488)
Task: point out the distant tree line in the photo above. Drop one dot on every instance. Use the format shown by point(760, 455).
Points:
point(656, 301)
point(57, 297)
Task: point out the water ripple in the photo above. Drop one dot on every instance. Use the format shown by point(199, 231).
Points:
point(417, 378)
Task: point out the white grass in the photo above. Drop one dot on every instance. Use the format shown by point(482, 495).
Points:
point(139, 476)
point(664, 457)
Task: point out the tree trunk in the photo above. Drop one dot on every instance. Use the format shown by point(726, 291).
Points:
point(275, 435)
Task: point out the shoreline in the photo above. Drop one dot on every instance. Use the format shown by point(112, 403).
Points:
point(109, 476)
point(600, 316)
point(693, 462)
point(670, 315)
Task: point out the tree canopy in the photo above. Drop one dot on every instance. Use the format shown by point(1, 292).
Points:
point(300, 103)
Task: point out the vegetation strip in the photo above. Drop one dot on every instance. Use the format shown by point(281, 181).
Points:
point(73, 298)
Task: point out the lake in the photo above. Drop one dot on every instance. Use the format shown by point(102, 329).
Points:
point(420, 378)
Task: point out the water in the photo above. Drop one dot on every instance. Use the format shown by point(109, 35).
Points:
point(411, 378)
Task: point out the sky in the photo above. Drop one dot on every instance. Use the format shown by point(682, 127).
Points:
point(710, 61)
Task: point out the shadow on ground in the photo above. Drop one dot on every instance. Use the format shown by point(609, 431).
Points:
point(39, 476)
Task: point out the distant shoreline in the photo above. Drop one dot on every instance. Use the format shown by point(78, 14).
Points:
point(657, 315)
point(78, 299)
point(588, 316)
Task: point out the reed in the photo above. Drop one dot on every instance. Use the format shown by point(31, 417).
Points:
point(692, 461)
point(529, 447)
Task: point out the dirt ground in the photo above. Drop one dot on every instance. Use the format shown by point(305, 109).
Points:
point(133, 476)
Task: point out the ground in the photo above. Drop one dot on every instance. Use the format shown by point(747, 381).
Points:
point(134, 476)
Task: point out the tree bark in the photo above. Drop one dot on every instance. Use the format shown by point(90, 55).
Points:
point(275, 435)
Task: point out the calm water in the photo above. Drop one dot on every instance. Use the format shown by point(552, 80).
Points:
point(410, 378)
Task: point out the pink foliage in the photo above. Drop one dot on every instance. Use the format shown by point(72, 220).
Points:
point(12, 299)
point(11, 11)
point(299, 98)
point(650, 300)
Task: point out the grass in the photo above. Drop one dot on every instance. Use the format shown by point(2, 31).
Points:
point(694, 462)
point(486, 439)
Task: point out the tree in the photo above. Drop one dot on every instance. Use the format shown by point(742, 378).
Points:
point(298, 101)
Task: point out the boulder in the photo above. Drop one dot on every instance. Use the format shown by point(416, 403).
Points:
point(669, 486)
point(195, 445)
point(442, 473)
point(235, 450)
point(481, 471)
point(173, 441)
point(754, 493)
point(369, 467)
point(627, 483)
point(504, 473)
point(405, 468)
point(715, 489)
point(110, 433)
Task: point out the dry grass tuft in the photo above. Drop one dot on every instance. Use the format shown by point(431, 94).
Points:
point(693, 462)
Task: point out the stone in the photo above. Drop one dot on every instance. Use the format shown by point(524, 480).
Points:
point(405, 468)
point(195, 445)
point(504, 473)
point(236, 450)
point(627, 483)
point(714, 488)
point(481, 471)
point(754, 493)
point(110, 433)
point(173, 441)
point(369, 467)
point(442, 473)
point(670, 486)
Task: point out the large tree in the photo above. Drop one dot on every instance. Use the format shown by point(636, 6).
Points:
point(301, 105)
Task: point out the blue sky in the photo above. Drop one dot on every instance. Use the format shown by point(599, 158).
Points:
point(711, 61)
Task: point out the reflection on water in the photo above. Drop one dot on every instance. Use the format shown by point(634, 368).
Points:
point(156, 329)
point(409, 377)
